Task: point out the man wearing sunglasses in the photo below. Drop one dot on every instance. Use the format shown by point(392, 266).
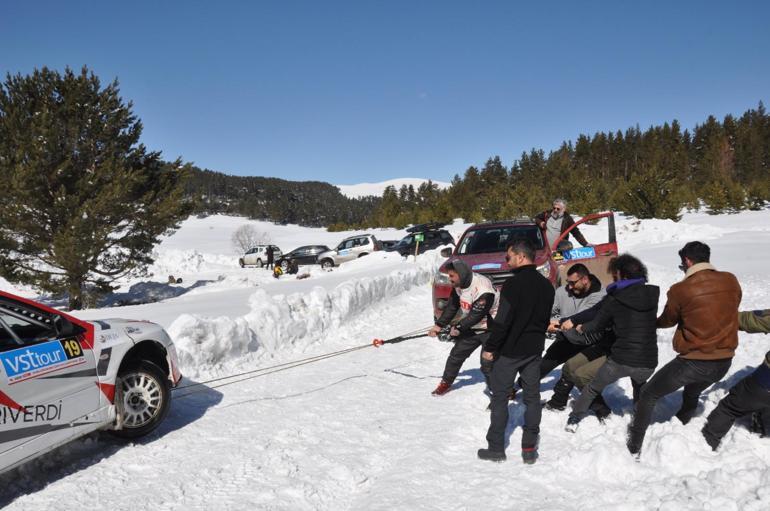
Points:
point(556, 221)
point(581, 292)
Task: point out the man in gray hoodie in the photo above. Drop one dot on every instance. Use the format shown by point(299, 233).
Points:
point(582, 291)
point(475, 299)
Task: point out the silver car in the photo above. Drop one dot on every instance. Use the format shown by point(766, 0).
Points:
point(62, 378)
point(350, 248)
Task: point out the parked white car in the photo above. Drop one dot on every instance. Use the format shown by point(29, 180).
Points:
point(62, 378)
point(257, 256)
point(350, 248)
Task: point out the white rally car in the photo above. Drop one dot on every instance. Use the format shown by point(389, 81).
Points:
point(61, 378)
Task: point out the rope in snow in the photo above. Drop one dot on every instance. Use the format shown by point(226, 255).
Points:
point(264, 371)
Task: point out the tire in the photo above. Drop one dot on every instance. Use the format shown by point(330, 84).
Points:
point(259, 263)
point(285, 265)
point(145, 398)
point(241, 263)
point(327, 263)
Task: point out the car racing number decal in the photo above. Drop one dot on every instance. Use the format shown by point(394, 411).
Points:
point(38, 359)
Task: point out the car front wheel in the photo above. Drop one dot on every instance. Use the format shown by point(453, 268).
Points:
point(259, 263)
point(285, 265)
point(143, 399)
point(327, 263)
point(241, 263)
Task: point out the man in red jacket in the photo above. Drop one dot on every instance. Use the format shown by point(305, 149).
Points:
point(704, 308)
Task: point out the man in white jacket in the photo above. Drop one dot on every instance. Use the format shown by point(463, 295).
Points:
point(476, 299)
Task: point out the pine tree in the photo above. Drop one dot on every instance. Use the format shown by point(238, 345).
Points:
point(84, 203)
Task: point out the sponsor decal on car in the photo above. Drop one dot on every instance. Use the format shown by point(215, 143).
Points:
point(487, 266)
point(31, 413)
point(25, 363)
point(580, 253)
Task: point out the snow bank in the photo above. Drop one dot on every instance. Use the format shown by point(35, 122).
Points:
point(277, 323)
point(186, 262)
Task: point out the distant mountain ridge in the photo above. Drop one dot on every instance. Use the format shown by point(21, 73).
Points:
point(377, 189)
point(307, 203)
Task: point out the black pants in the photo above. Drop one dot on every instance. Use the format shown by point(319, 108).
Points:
point(501, 382)
point(745, 397)
point(608, 373)
point(462, 349)
point(557, 353)
point(694, 375)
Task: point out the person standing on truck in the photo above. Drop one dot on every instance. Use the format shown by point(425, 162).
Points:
point(516, 343)
point(751, 394)
point(476, 299)
point(556, 221)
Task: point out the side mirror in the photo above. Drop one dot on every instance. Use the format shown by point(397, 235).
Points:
point(446, 252)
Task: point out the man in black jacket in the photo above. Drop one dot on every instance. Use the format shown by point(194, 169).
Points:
point(631, 309)
point(516, 341)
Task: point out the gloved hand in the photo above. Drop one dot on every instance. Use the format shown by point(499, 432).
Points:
point(445, 334)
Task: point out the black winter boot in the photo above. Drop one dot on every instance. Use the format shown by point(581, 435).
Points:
point(560, 395)
point(489, 455)
point(600, 408)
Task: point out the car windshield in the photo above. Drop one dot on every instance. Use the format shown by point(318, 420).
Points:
point(485, 240)
point(405, 241)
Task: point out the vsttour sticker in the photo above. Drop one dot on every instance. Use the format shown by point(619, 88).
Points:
point(29, 362)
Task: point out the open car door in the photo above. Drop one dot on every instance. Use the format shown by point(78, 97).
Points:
point(595, 257)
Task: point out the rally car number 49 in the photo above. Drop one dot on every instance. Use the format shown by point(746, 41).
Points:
point(62, 378)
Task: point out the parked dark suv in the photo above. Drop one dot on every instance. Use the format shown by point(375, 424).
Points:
point(482, 246)
point(432, 237)
point(307, 254)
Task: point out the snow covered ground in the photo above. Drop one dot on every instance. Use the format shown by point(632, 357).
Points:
point(361, 430)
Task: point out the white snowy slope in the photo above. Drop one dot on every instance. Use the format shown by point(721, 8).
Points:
point(361, 430)
point(364, 189)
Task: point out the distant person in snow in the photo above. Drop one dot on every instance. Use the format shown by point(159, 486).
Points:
point(704, 308)
point(556, 221)
point(270, 256)
point(476, 299)
point(630, 309)
point(516, 342)
point(750, 395)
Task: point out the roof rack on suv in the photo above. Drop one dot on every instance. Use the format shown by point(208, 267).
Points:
point(430, 226)
point(518, 220)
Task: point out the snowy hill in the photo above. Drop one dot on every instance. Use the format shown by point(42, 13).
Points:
point(364, 189)
point(361, 430)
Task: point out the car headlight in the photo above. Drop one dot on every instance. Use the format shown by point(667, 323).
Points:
point(441, 278)
point(545, 270)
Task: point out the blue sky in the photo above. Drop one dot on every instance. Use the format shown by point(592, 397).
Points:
point(347, 92)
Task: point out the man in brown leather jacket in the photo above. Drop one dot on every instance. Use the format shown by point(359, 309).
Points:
point(704, 308)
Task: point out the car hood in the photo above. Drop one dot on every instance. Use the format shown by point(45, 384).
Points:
point(492, 262)
point(137, 330)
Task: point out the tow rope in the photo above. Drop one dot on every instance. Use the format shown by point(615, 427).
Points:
point(264, 371)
